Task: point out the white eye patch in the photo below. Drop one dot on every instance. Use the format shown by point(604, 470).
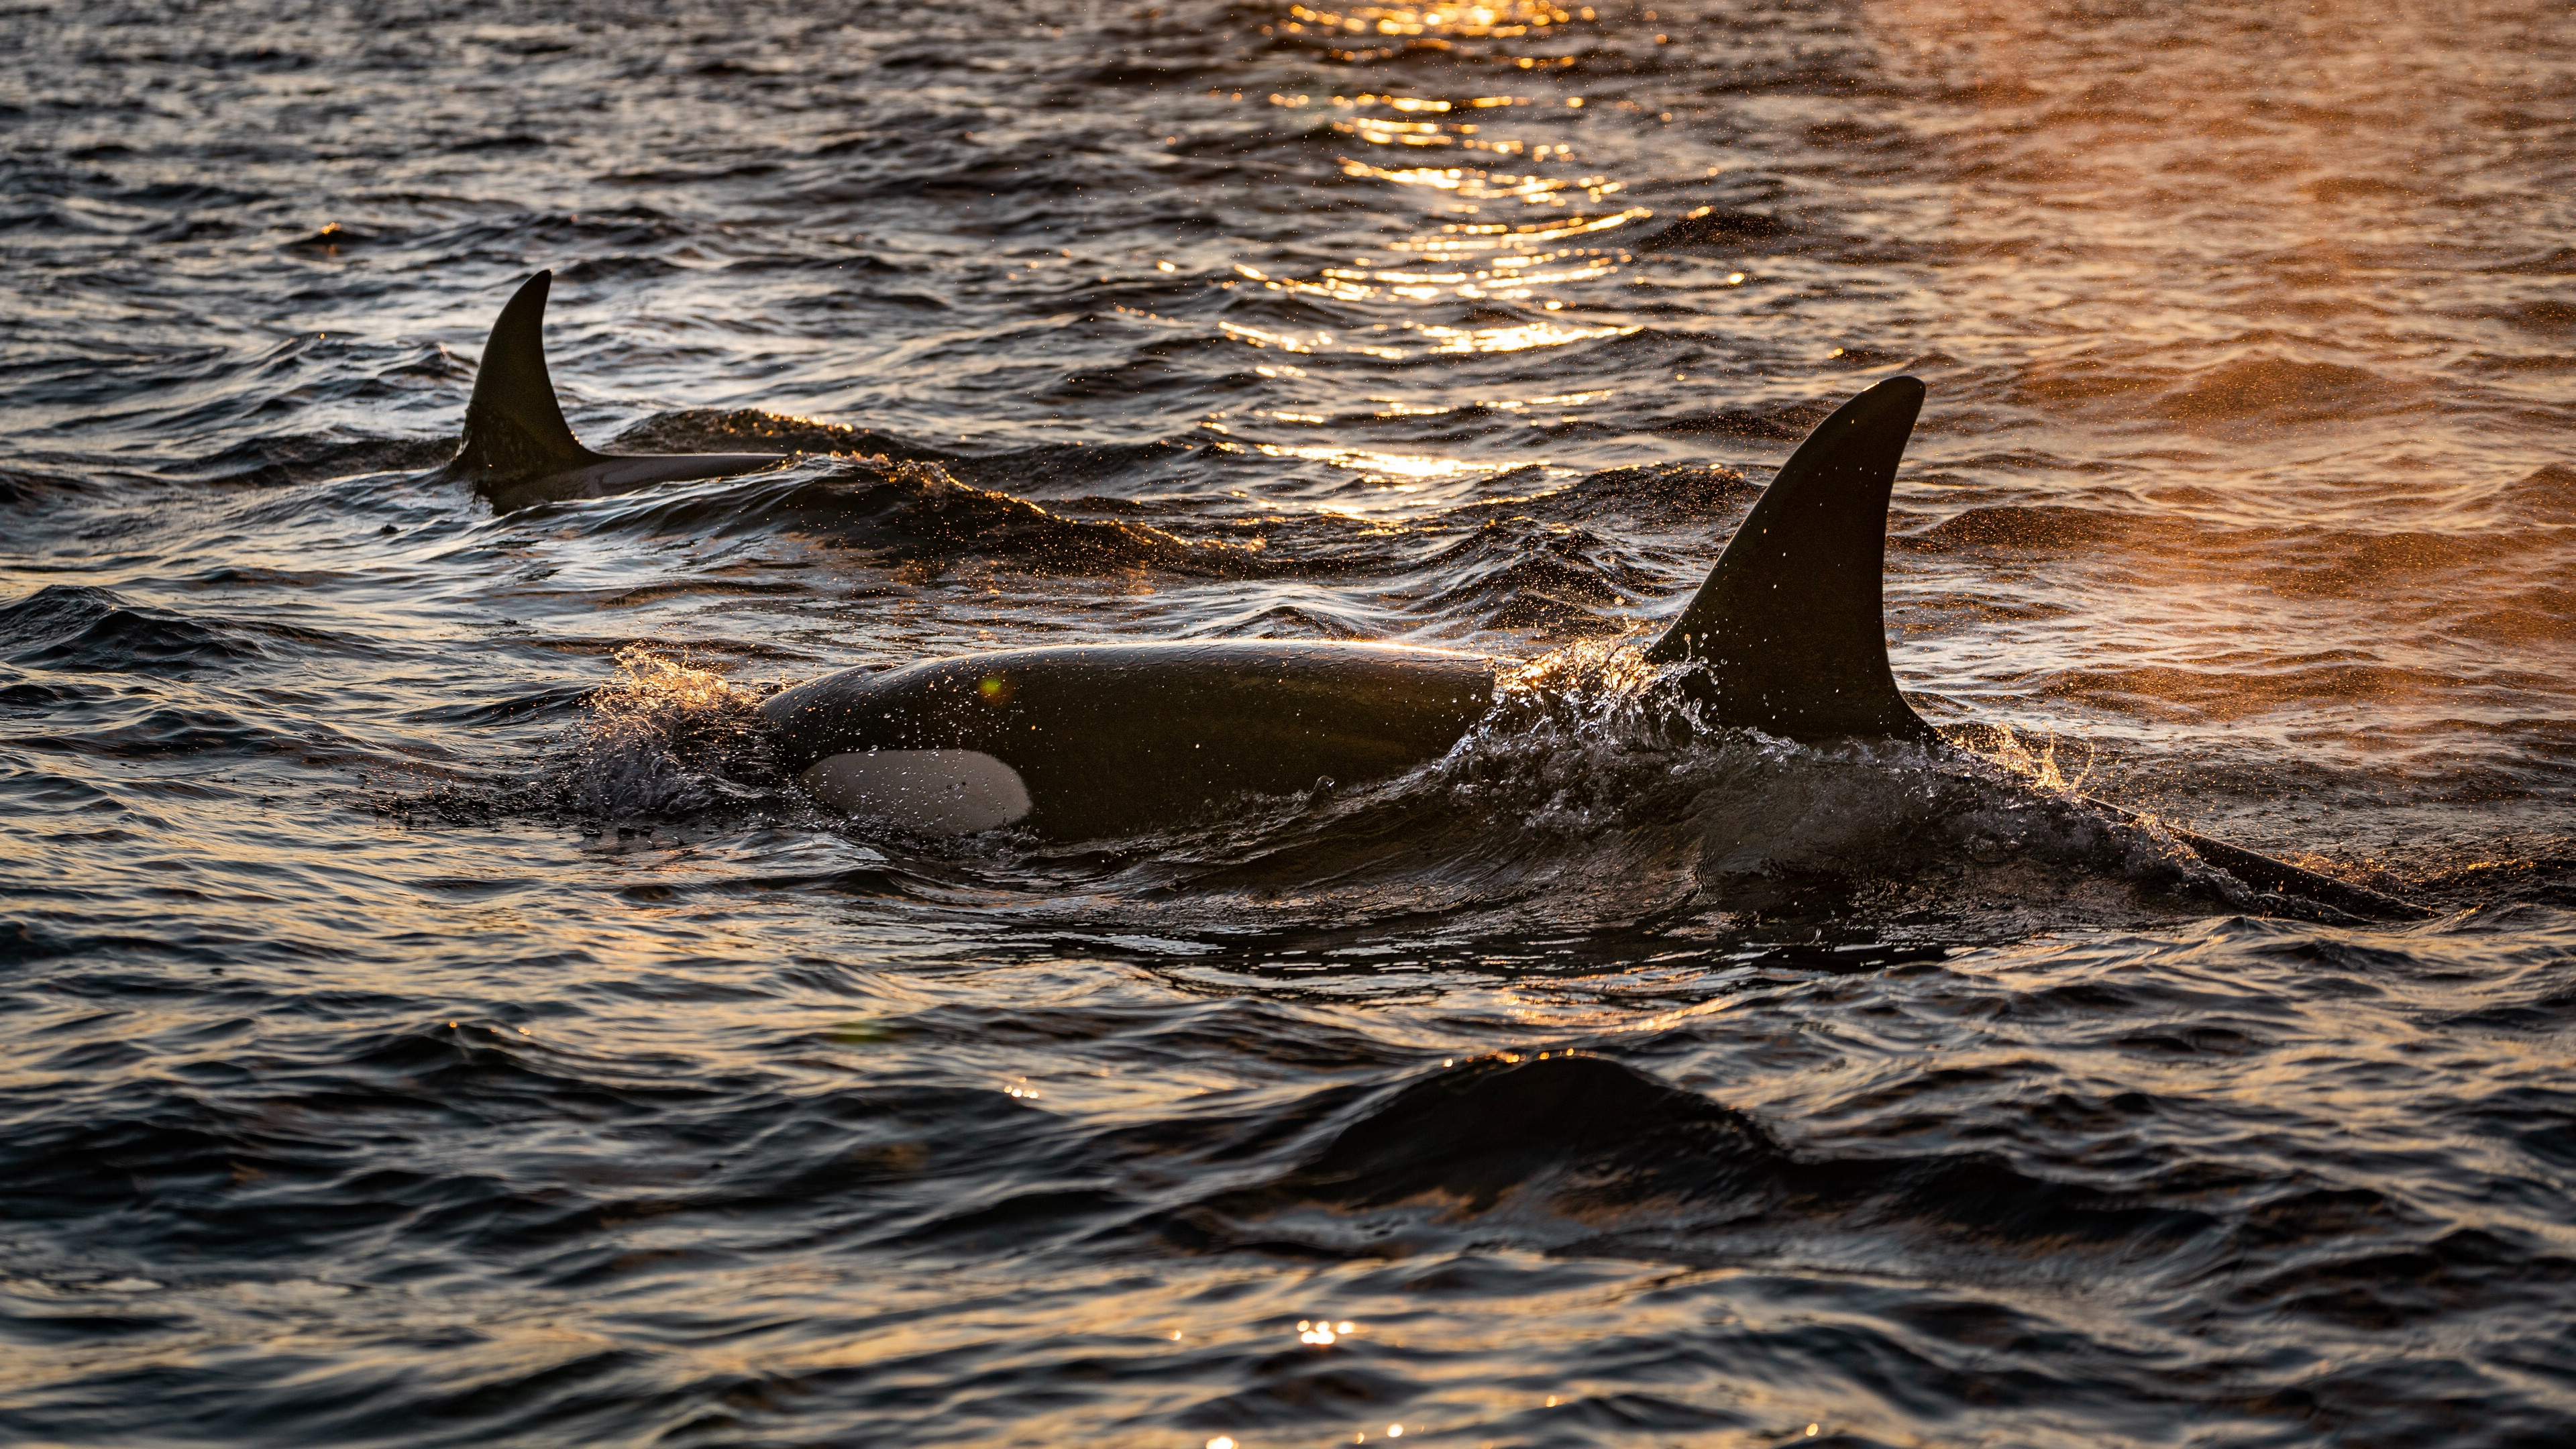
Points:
point(934, 792)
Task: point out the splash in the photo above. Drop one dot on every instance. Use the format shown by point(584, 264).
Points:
point(2037, 765)
point(1600, 689)
point(665, 736)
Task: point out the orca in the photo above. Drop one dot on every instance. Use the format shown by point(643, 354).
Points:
point(517, 450)
point(1079, 742)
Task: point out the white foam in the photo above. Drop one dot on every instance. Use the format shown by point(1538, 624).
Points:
point(936, 792)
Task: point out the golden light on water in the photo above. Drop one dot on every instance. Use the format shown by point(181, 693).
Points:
point(1455, 255)
point(1454, 239)
point(1323, 1332)
point(1476, 184)
point(1397, 475)
point(1497, 22)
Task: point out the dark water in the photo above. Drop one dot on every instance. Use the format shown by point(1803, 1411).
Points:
point(429, 1020)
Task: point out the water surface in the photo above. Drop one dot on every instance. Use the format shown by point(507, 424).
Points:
point(430, 1020)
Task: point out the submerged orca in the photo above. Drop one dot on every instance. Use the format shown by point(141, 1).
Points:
point(1087, 741)
point(517, 449)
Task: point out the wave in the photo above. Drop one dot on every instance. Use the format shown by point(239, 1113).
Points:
point(1654, 495)
point(79, 628)
point(25, 487)
point(910, 513)
point(1612, 1155)
point(1555, 581)
point(2279, 390)
point(289, 458)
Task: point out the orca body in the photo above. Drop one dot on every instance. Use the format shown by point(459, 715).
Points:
point(1084, 741)
point(517, 450)
point(1093, 741)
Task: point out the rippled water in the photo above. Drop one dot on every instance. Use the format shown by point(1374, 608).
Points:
point(430, 1020)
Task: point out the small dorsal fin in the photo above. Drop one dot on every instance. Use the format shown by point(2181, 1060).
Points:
point(1789, 625)
point(514, 428)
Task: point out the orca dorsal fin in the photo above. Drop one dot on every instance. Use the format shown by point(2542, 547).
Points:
point(514, 428)
point(1789, 626)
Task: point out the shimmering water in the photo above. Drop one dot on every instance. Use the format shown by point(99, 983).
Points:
point(428, 1019)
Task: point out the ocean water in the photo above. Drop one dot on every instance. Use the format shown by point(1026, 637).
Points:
point(428, 1018)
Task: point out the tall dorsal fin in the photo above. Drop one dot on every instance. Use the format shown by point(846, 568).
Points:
point(514, 428)
point(1789, 624)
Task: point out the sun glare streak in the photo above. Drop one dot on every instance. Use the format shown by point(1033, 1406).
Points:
point(1461, 261)
point(1379, 466)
